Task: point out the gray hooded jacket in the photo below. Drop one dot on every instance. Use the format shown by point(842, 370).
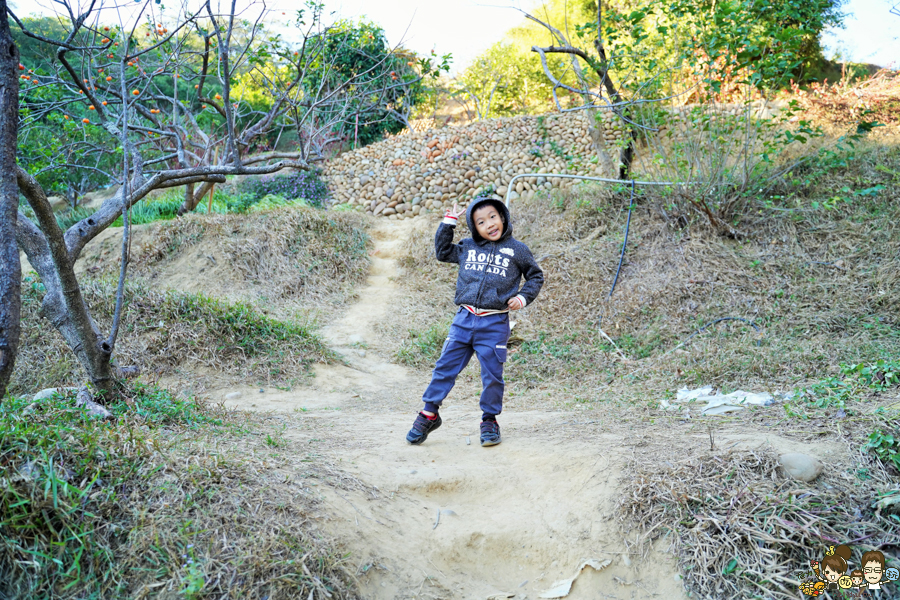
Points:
point(489, 272)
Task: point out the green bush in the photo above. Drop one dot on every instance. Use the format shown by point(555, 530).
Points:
point(306, 185)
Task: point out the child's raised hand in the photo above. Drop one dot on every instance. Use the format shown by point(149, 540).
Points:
point(456, 211)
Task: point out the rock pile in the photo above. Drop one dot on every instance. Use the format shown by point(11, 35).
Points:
point(427, 171)
point(423, 172)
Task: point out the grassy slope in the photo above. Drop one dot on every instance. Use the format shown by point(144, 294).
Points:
point(295, 255)
point(176, 499)
point(821, 283)
point(173, 499)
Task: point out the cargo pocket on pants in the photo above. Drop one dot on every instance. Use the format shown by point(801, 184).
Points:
point(500, 351)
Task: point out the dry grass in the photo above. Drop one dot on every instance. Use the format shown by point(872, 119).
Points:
point(740, 528)
point(874, 99)
point(286, 260)
point(168, 332)
point(819, 274)
point(174, 499)
point(252, 288)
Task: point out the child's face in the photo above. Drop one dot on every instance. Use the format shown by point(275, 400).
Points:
point(488, 222)
point(857, 581)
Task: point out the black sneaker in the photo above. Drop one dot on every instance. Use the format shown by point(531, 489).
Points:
point(422, 427)
point(490, 433)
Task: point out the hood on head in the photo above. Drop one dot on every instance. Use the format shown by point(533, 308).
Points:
point(501, 208)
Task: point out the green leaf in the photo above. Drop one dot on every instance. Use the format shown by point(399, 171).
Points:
point(730, 567)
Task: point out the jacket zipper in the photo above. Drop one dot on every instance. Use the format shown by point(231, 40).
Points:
point(490, 261)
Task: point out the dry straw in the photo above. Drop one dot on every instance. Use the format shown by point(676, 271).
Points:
point(740, 529)
point(296, 254)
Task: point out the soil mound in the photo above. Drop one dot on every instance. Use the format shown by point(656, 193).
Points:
point(289, 259)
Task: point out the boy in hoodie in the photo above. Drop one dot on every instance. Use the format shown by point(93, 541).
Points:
point(491, 265)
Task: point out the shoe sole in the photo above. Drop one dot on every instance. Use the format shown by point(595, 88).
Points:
point(486, 443)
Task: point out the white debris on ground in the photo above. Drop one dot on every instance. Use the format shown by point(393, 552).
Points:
point(561, 589)
point(717, 403)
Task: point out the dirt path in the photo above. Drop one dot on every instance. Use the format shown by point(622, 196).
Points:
point(450, 519)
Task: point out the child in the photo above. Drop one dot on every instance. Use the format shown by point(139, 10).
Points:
point(491, 264)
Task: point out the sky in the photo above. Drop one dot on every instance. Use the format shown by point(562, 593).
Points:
point(471, 27)
point(466, 28)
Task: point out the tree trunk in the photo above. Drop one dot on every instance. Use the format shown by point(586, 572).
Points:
point(626, 155)
point(83, 337)
point(63, 304)
point(10, 267)
point(192, 198)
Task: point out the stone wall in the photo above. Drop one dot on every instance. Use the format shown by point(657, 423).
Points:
point(422, 172)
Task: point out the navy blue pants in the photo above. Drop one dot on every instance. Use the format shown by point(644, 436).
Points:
point(469, 334)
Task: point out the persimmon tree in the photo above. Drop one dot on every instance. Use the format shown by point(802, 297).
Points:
point(10, 269)
point(152, 102)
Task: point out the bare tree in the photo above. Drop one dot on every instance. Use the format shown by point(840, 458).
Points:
point(613, 99)
point(10, 269)
point(153, 108)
